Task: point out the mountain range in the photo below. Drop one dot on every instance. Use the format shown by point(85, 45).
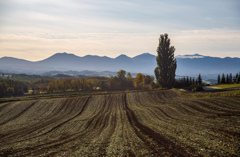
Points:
point(187, 65)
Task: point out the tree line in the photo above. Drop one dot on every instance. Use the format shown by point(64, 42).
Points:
point(122, 81)
point(228, 79)
point(188, 81)
point(12, 88)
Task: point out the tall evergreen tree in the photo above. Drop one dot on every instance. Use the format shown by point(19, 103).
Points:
point(199, 79)
point(236, 78)
point(190, 81)
point(227, 79)
point(166, 63)
point(219, 79)
point(239, 77)
point(230, 78)
point(223, 81)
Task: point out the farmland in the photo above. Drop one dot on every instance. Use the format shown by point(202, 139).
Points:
point(150, 123)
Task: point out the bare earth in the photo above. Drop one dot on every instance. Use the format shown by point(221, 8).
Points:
point(153, 123)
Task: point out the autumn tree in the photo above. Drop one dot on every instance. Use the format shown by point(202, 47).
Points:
point(114, 83)
point(166, 63)
point(152, 85)
point(121, 74)
point(129, 80)
point(138, 81)
point(121, 78)
point(148, 79)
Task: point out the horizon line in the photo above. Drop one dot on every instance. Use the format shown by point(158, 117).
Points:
point(190, 56)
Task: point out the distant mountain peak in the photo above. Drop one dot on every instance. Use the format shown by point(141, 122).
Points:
point(146, 53)
point(122, 56)
point(64, 54)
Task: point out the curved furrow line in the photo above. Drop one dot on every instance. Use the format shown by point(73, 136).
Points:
point(165, 113)
point(3, 107)
point(104, 111)
point(66, 121)
point(104, 146)
point(159, 96)
point(214, 109)
point(149, 99)
point(210, 105)
point(142, 131)
point(97, 109)
point(12, 109)
point(40, 126)
point(35, 126)
point(226, 104)
point(197, 107)
point(68, 142)
point(38, 112)
point(183, 109)
point(157, 108)
point(167, 95)
point(19, 114)
point(99, 125)
point(57, 117)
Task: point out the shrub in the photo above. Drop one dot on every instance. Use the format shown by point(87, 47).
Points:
point(196, 88)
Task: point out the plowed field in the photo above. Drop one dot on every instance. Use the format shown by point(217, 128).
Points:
point(153, 123)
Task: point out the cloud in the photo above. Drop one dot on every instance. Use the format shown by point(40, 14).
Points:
point(217, 42)
point(214, 42)
point(103, 44)
point(104, 27)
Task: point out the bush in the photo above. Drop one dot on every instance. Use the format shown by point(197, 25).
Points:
point(152, 85)
point(196, 88)
point(10, 91)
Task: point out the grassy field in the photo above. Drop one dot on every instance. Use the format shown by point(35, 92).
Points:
point(226, 86)
point(151, 123)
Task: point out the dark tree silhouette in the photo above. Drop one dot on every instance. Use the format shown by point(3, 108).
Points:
point(227, 79)
point(223, 81)
point(199, 79)
point(236, 78)
point(219, 79)
point(166, 63)
point(230, 78)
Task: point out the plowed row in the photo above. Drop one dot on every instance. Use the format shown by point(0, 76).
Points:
point(157, 123)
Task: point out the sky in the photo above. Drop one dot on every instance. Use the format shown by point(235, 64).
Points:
point(36, 29)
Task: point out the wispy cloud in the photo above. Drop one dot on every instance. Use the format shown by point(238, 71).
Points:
point(103, 27)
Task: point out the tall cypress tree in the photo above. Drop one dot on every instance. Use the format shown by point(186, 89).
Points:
point(166, 63)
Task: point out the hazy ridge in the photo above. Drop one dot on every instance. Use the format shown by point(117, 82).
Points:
point(187, 65)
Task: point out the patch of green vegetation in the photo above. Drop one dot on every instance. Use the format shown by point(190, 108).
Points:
point(225, 86)
point(24, 79)
point(231, 93)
